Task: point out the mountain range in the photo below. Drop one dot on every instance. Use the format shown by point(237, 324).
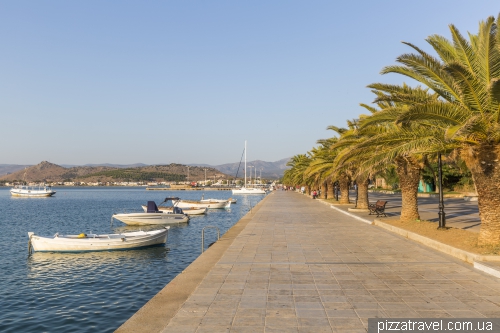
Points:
point(109, 172)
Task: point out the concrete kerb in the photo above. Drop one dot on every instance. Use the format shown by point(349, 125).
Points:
point(351, 215)
point(155, 315)
point(485, 267)
point(450, 250)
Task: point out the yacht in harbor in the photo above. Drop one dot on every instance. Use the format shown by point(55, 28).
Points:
point(244, 189)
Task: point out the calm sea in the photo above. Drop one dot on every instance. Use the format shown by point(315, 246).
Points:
point(97, 291)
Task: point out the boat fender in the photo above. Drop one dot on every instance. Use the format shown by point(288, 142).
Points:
point(82, 235)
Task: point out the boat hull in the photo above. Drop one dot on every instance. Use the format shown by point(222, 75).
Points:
point(151, 218)
point(250, 190)
point(32, 193)
point(197, 204)
point(125, 241)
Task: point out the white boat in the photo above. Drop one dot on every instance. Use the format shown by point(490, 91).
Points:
point(152, 216)
point(198, 204)
point(95, 242)
point(40, 190)
point(248, 190)
point(244, 189)
point(233, 201)
point(186, 210)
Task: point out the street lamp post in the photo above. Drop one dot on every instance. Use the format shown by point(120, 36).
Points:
point(442, 215)
point(205, 177)
point(188, 174)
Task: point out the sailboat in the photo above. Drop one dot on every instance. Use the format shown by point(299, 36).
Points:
point(244, 189)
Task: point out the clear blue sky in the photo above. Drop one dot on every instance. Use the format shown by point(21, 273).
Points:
point(188, 81)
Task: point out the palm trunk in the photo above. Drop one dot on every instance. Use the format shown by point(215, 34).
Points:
point(330, 194)
point(324, 188)
point(409, 175)
point(344, 188)
point(485, 170)
point(362, 202)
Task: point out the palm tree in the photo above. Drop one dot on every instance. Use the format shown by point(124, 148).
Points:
point(296, 174)
point(383, 142)
point(466, 76)
point(322, 165)
point(343, 172)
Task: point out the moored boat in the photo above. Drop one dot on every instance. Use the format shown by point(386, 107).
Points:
point(203, 200)
point(186, 210)
point(244, 189)
point(153, 216)
point(198, 204)
point(97, 242)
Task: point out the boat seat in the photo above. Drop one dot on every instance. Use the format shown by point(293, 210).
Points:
point(152, 208)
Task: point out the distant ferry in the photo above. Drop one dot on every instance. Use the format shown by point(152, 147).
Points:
point(32, 191)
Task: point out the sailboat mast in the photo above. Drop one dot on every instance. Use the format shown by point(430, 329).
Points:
point(245, 185)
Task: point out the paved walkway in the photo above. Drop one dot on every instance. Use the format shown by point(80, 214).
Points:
point(300, 266)
point(459, 213)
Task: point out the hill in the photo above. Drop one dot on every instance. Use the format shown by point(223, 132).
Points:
point(49, 172)
point(11, 172)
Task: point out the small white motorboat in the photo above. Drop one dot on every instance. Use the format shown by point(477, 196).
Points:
point(33, 191)
point(187, 210)
point(153, 216)
point(95, 242)
point(198, 204)
point(233, 201)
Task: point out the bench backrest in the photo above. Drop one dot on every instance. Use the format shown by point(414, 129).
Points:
point(380, 203)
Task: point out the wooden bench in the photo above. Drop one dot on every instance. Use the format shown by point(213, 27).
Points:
point(378, 208)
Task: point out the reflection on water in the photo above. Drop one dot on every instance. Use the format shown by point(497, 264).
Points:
point(95, 291)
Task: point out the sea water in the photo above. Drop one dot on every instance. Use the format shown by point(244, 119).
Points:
point(94, 291)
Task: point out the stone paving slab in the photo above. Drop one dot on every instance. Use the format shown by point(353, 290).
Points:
point(300, 266)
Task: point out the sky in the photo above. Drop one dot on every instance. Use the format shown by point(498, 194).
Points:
point(160, 82)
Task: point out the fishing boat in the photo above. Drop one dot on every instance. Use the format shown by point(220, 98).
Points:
point(34, 191)
point(152, 216)
point(244, 189)
point(97, 242)
point(187, 210)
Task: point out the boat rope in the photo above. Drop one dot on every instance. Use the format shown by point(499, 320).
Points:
point(239, 164)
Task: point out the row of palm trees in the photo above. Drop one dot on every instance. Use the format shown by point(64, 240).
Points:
point(455, 111)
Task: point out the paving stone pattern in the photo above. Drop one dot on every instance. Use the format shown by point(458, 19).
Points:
point(300, 266)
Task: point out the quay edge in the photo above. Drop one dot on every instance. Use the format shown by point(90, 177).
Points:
point(155, 315)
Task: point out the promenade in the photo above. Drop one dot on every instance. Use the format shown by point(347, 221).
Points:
point(297, 265)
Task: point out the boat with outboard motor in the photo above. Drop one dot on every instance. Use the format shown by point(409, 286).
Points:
point(170, 209)
point(97, 242)
point(153, 216)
